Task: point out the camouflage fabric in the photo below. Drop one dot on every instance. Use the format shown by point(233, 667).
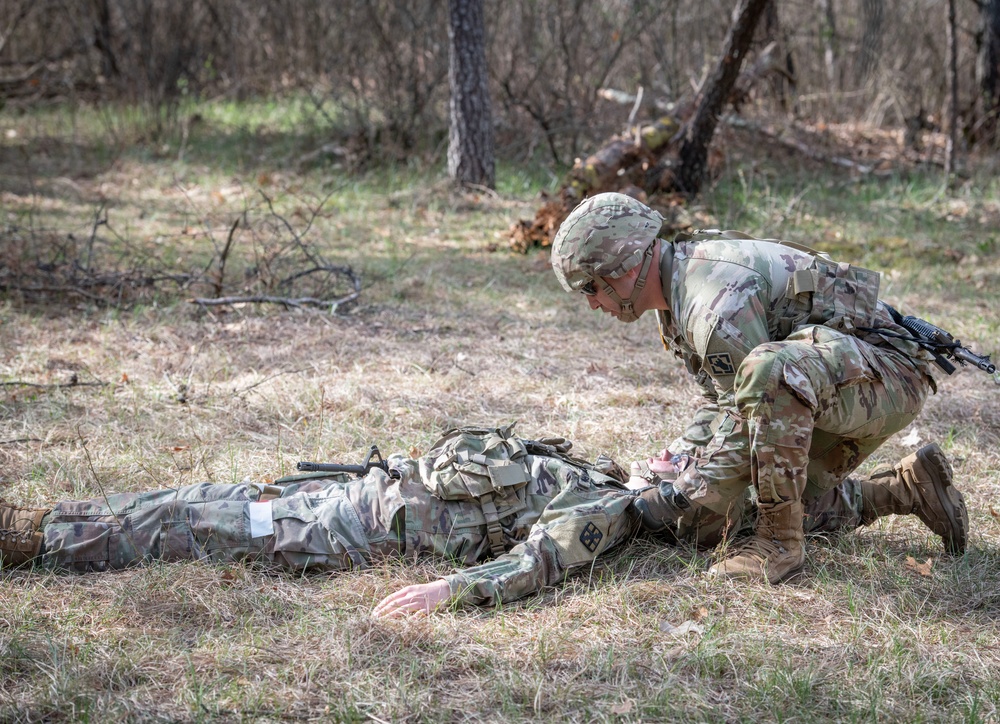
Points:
point(566, 516)
point(563, 517)
point(791, 405)
point(605, 236)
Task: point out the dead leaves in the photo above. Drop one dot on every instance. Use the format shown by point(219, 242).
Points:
point(691, 625)
point(924, 569)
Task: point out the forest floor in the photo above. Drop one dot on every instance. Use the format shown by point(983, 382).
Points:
point(112, 381)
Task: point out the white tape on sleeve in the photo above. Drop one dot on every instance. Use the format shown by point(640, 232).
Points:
point(261, 522)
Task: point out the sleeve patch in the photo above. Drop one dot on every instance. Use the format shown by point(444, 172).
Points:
point(591, 537)
point(721, 364)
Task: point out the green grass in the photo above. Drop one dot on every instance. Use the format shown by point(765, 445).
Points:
point(450, 328)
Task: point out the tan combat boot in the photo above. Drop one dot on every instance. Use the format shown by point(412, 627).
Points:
point(775, 552)
point(20, 534)
point(919, 484)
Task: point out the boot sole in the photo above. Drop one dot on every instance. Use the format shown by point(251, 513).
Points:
point(951, 501)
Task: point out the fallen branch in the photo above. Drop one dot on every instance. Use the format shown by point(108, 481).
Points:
point(55, 385)
point(287, 301)
point(799, 146)
point(296, 302)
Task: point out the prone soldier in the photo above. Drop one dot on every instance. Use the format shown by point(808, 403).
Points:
point(519, 514)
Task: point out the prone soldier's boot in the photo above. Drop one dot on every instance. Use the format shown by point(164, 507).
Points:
point(920, 484)
point(20, 534)
point(775, 552)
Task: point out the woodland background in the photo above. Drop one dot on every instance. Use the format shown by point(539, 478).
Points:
point(230, 240)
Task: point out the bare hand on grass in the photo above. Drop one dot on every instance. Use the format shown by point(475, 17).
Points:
point(421, 599)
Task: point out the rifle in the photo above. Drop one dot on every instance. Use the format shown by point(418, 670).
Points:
point(939, 343)
point(359, 470)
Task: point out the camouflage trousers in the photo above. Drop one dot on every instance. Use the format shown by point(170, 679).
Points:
point(808, 411)
point(320, 525)
point(316, 524)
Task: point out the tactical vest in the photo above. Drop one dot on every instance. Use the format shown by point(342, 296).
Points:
point(487, 465)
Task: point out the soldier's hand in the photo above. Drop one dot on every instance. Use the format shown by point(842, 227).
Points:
point(423, 598)
point(662, 464)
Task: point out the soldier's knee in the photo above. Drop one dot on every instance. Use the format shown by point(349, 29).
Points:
point(772, 370)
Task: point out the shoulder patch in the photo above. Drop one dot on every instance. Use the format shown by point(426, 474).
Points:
point(591, 537)
point(721, 364)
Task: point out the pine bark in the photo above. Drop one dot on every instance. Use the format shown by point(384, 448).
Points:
point(470, 141)
point(988, 68)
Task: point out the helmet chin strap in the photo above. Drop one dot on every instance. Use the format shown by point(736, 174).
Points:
point(628, 314)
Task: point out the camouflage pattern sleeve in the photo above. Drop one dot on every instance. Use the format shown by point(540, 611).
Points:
point(583, 521)
point(701, 429)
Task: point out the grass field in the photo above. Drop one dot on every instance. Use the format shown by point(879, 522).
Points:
point(450, 328)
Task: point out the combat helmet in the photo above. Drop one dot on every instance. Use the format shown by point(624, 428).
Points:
point(606, 235)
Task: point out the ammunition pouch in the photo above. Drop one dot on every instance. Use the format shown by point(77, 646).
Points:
point(479, 464)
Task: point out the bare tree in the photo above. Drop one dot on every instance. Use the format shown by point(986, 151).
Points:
point(873, 28)
point(470, 146)
point(828, 34)
point(988, 67)
point(693, 153)
point(949, 156)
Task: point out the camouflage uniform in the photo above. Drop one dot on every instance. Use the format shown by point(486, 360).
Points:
point(800, 384)
point(796, 396)
point(563, 517)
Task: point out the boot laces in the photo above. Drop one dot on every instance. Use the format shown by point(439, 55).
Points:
point(760, 548)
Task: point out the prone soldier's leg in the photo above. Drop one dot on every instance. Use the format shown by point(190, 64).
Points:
point(194, 521)
point(327, 528)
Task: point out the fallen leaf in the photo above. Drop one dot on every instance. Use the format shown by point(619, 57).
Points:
point(993, 512)
point(124, 379)
point(699, 613)
point(924, 569)
point(414, 452)
point(624, 707)
point(682, 629)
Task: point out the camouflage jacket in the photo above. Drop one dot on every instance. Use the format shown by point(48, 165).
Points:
point(562, 518)
point(729, 295)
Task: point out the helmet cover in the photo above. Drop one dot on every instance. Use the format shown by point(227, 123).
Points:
point(604, 236)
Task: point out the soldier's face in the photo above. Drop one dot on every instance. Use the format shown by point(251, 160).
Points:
point(600, 300)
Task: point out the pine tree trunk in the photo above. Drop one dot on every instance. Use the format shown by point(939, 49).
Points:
point(873, 20)
point(470, 146)
point(988, 68)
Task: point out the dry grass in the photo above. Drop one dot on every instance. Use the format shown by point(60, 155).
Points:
point(448, 332)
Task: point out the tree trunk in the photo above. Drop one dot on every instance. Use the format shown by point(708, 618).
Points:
point(470, 146)
point(873, 22)
point(949, 154)
point(988, 68)
point(103, 34)
point(828, 32)
point(693, 154)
